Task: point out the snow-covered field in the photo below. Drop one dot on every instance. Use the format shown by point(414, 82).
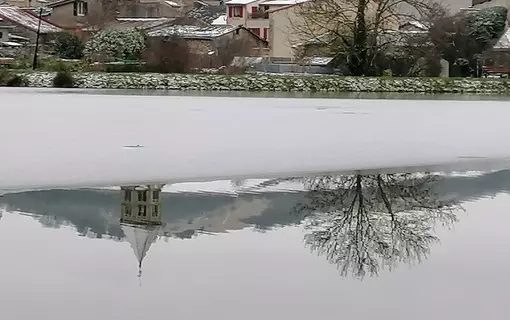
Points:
point(78, 140)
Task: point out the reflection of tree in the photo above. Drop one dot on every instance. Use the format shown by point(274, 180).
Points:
point(363, 223)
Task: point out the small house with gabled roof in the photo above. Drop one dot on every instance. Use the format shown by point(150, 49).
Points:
point(25, 23)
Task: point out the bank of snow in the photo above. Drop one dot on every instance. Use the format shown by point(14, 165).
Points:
point(263, 82)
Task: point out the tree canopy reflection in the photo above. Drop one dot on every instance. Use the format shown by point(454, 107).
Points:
point(365, 223)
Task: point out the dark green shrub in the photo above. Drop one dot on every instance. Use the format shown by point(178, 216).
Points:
point(4, 76)
point(9, 79)
point(17, 81)
point(63, 79)
point(69, 46)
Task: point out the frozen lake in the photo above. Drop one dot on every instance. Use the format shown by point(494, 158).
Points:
point(273, 208)
point(62, 139)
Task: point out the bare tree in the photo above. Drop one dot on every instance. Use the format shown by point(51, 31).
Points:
point(363, 223)
point(353, 30)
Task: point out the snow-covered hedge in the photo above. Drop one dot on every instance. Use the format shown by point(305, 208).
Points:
point(261, 82)
point(114, 43)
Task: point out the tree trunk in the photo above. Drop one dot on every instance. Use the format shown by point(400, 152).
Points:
point(358, 55)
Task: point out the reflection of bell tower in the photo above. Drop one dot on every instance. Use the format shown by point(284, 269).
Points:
point(141, 204)
point(140, 218)
point(140, 238)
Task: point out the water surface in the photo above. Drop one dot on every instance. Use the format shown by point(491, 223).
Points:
point(249, 255)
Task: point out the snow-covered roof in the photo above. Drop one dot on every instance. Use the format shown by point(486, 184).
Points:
point(504, 41)
point(17, 16)
point(173, 4)
point(140, 23)
point(317, 61)
point(246, 61)
point(239, 2)
point(208, 14)
point(18, 38)
point(193, 32)
point(220, 21)
point(11, 44)
point(415, 24)
point(281, 2)
point(141, 19)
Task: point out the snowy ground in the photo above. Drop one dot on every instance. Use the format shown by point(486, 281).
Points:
point(67, 140)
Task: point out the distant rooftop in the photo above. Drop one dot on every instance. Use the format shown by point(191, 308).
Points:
point(27, 20)
point(173, 4)
point(504, 41)
point(239, 2)
point(140, 23)
point(477, 2)
point(193, 32)
point(281, 2)
point(220, 21)
point(207, 14)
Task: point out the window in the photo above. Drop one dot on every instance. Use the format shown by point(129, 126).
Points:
point(142, 211)
point(155, 195)
point(265, 34)
point(127, 195)
point(238, 12)
point(80, 8)
point(142, 196)
point(127, 211)
point(155, 211)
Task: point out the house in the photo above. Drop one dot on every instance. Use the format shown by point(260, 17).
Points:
point(288, 29)
point(253, 14)
point(214, 44)
point(283, 37)
point(71, 14)
point(26, 24)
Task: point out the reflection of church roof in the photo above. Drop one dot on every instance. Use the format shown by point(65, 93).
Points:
point(140, 239)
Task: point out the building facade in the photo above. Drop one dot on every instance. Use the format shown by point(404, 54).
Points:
point(254, 14)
